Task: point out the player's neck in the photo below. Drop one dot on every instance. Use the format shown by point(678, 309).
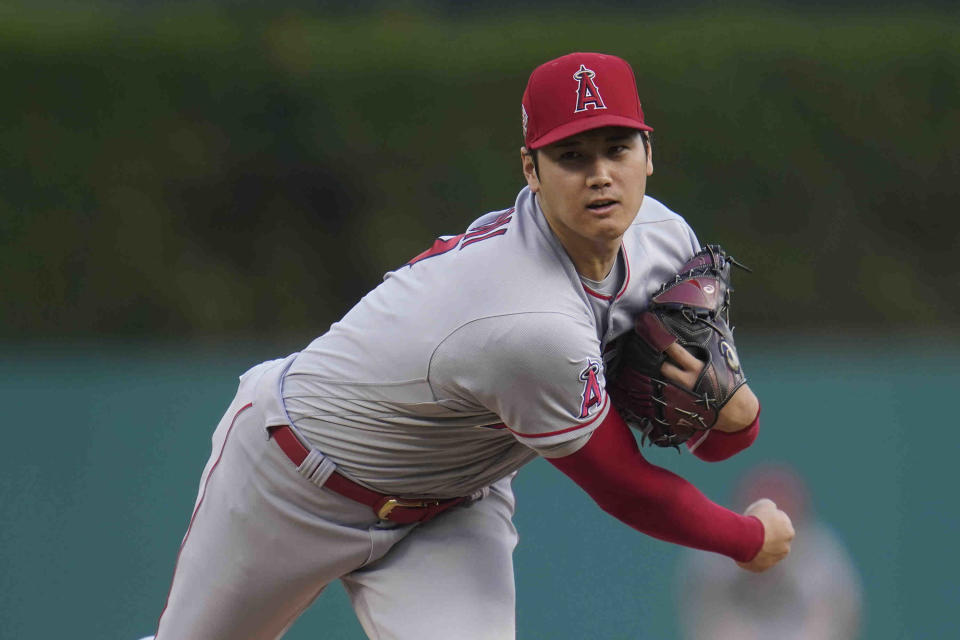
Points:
point(595, 263)
point(592, 250)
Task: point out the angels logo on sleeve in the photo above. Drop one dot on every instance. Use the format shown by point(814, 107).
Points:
point(592, 395)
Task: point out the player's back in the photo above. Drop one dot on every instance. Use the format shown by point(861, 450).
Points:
point(369, 377)
point(491, 270)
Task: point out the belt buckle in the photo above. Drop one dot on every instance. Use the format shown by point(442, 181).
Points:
point(392, 503)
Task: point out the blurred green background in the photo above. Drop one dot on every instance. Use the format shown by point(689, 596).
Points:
point(188, 188)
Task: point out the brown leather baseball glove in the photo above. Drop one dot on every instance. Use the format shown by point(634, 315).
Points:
point(692, 309)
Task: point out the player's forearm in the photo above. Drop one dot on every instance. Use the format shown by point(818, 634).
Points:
point(739, 412)
point(714, 446)
point(677, 512)
point(654, 500)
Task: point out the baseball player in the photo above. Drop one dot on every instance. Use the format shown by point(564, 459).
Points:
point(382, 454)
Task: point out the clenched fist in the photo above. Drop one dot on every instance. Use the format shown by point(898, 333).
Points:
point(777, 535)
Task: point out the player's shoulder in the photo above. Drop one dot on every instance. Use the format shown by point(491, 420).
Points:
point(657, 230)
point(494, 231)
point(538, 330)
point(653, 211)
point(504, 261)
point(532, 345)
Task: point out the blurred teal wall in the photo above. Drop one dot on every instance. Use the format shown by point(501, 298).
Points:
point(104, 445)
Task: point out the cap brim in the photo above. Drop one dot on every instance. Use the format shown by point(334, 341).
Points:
point(586, 124)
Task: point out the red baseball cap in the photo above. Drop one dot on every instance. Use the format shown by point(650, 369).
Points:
point(579, 92)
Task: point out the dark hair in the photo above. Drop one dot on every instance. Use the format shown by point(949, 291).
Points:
point(645, 135)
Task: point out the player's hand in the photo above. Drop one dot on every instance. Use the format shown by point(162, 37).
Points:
point(777, 535)
point(683, 368)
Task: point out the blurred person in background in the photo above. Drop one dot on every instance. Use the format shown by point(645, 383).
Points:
point(814, 594)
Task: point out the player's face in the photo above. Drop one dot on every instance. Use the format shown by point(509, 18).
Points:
point(590, 186)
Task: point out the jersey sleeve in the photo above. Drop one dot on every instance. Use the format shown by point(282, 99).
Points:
point(715, 445)
point(694, 243)
point(540, 374)
point(654, 500)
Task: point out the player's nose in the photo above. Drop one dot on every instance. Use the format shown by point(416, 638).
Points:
point(599, 175)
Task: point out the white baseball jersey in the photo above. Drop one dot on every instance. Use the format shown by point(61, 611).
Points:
point(477, 356)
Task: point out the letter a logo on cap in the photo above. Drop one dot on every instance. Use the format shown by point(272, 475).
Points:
point(587, 93)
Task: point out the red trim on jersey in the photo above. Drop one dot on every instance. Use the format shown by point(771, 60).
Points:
point(623, 288)
point(499, 221)
point(594, 293)
point(193, 517)
point(476, 234)
point(440, 246)
point(626, 280)
point(498, 232)
point(606, 402)
point(654, 500)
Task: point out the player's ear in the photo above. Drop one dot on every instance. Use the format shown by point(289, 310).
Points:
point(646, 142)
point(529, 170)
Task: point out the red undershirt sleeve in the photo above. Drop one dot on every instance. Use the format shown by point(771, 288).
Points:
point(657, 502)
point(714, 446)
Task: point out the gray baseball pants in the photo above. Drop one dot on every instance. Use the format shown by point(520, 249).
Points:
point(265, 540)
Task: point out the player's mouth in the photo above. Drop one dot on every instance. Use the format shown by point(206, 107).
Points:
point(604, 205)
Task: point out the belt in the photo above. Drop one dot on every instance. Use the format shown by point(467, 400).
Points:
point(392, 508)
